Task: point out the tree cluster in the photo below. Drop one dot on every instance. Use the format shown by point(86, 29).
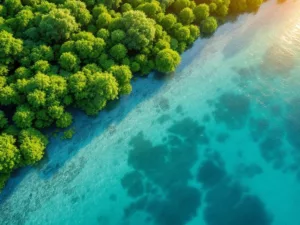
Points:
point(57, 54)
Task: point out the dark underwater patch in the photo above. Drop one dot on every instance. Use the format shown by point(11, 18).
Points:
point(180, 207)
point(206, 118)
point(146, 157)
point(210, 174)
point(222, 137)
point(138, 205)
point(276, 110)
point(177, 208)
point(244, 72)
point(171, 161)
point(150, 189)
point(132, 182)
point(232, 109)
point(179, 110)
point(258, 127)
point(292, 123)
point(167, 167)
point(271, 149)
point(163, 118)
point(163, 104)
point(245, 75)
point(103, 219)
point(249, 171)
point(190, 131)
point(174, 140)
point(74, 199)
point(113, 197)
point(298, 176)
point(230, 204)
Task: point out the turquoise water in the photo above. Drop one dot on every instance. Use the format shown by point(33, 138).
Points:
point(216, 143)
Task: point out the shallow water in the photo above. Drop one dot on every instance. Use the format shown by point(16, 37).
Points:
point(216, 143)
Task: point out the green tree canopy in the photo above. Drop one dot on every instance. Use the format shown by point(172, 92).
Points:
point(126, 7)
point(13, 6)
point(89, 48)
point(139, 33)
point(209, 25)
point(22, 72)
point(151, 9)
point(3, 120)
point(57, 25)
point(92, 91)
point(103, 33)
point(41, 66)
point(118, 51)
point(123, 75)
point(181, 33)
point(179, 5)
point(118, 36)
point(186, 16)
point(104, 19)
point(69, 61)
point(253, 5)
point(201, 12)
point(10, 47)
point(42, 52)
point(32, 146)
point(37, 98)
point(168, 21)
point(9, 95)
point(9, 153)
point(23, 117)
point(79, 11)
point(167, 60)
point(22, 20)
point(64, 120)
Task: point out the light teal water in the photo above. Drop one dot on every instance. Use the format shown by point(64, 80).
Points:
point(217, 143)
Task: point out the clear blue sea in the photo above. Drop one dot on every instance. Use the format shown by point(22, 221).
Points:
point(215, 143)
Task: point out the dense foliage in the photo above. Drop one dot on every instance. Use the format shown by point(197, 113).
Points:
point(58, 54)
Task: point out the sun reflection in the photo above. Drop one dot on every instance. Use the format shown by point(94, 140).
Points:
point(283, 53)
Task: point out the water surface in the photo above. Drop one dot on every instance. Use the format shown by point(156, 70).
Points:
point(216, 143)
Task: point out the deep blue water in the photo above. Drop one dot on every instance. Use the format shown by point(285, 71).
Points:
point(216, 143)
